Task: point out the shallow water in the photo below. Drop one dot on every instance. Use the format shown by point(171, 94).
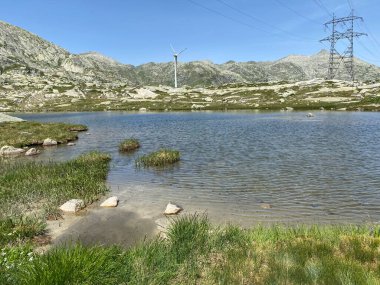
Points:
point(323, 169)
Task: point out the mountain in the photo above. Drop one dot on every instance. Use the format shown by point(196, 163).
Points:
point(24, 55)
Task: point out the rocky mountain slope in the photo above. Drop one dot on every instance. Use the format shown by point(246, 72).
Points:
point(25, 54)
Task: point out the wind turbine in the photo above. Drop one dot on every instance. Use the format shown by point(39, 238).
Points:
point(175, 54)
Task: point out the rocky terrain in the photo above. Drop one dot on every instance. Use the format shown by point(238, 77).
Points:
point(36, 75)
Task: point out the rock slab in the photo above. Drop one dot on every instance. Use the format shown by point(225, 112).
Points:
point(10, 150)
point(110, 202)
point(49, 142)
point(72, 206)
point(172, 209)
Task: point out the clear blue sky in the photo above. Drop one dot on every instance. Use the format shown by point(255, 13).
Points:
point(140, 31)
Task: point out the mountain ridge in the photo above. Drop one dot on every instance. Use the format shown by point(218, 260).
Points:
point(25, 54)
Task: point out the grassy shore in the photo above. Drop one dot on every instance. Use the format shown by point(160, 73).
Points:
point(195, 252)
point(20, 134)
point(31, 192)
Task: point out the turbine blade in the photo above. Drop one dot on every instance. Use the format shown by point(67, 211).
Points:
point(172, 48)
point(182, 51)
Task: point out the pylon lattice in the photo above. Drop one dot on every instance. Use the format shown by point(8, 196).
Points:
point(347, 57)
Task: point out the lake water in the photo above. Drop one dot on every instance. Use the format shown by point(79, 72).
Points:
point(324, 169)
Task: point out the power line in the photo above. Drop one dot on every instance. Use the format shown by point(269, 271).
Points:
point(350, 4)
point(259, 20)
point(235, 20)
point(296, 12)
point(322, 6)
point(225, 16)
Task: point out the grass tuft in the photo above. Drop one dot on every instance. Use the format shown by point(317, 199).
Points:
point(129, 145)
point(160, 158)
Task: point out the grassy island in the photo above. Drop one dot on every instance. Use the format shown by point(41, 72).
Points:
point(160, 158)
point(20, 134)
point(129, 145)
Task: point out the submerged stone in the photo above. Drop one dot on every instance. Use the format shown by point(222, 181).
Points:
point(172, 209)
point(110, 202)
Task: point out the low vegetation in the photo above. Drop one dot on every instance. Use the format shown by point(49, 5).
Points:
point(195, 252)
point(30, 192)
point(20, 134)
point(129, 145)
point(160, 158)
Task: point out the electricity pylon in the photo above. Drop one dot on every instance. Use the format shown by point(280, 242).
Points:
point(347, 57)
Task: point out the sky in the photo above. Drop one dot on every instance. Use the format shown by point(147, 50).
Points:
point(141, 31)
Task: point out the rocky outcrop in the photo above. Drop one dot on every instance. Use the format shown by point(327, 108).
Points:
point(10, 150)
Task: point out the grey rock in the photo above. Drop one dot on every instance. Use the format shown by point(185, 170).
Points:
point(32, 151)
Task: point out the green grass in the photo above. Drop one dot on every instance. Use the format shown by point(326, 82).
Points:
point(160, 158)
point(129, 145)
point(33, 191)
point(20, 134)
point(195, 252)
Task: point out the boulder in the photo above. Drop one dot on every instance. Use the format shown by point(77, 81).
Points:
point(310, 115)
point(265, 206)
point(10, 150)
point(70, 144)
point(49, 142)
point(72, 206)
point(172, 209)
point(289, 109)
point(110, 202)
point(32, 151)
point(142, 110)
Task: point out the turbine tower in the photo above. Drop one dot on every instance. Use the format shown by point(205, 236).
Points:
point(175, 55)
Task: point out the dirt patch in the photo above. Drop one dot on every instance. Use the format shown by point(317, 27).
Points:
point(104, 226)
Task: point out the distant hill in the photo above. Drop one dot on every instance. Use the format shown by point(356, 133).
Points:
point(25, 54)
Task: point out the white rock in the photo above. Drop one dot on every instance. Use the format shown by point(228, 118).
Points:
point(110, 202)
point(310, 115)
point(10, 150)
point(289, 109)
point(73, 205)
point(49, 142)
point(32, 151)
point(142, 110)
point(70, 144)
point(172, 209)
